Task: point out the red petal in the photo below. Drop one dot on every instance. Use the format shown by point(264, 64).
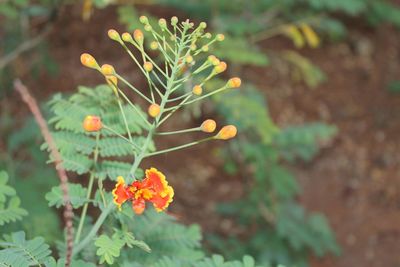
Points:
point(120, 193)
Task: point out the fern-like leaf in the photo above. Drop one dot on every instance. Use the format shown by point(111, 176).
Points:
point(77, 194)
point(19, 252)
point(10, 210)
point(108, 248)
point(165, 237)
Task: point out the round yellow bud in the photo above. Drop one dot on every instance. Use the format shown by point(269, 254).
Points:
point(213, 60)
point(162, 22)
point(144, 19)
point(138, 36)
point(234, 82)
point(227, 132)
point(174, 20)
point(208, 126)
point(204, 48)
point(207, 35)
point(154, 45)
point(220, 37)
point(88, 60)
point(92, 123)
point(127, 37)
point(148, 66)
point(197, 90)
point(154, 110)
point(107, 69)
point(189, 59)
point(193, 47)
point(148, 28)
point(114, 35)
point(203, 25)
point(221, 67)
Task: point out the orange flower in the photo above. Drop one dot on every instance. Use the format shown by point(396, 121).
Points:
point(153, 188)
point(92, 123)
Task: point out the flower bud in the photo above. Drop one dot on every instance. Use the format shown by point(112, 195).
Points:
point(204, 48)
point(220, 37)
point(193, 47)
point(174, 20)
point(148, 28)
point(144, 19)
point(114, 35)
point(234, 82)
point(189, 59)
point(162, 22)
point(138, 36)
point(227, 132)
point(154, 110)
point(221, 67)
point(127, 37)
point(202, 25)
point(213, 60)
point(207, 35)
point(154, 45)
point(197, 90)
point(208, 126)
point(92, 123)
point(88, 60)
point(107, 69)
point(148, 66)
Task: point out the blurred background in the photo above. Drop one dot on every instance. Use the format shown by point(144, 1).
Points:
point(313, 177)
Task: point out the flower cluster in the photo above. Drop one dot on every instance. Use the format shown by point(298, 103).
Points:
point(181, 81)
point(153, 188)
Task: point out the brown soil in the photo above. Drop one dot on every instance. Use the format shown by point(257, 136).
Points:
point(355, 181)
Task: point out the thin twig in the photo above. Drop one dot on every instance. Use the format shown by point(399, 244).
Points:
point(68, 214)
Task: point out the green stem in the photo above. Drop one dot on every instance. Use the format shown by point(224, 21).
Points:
point(179, 147)
point(180, 131)
point(89, 191)
point(206, 95)
point(132, 87)
point(136, 147)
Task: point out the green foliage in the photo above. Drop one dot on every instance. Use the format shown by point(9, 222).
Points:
point(10, 210)
point(304, 70)
point(214, 261)
point(285, 233)
point(302, 141)
point(19, 252)
point(164, 236)
point(108, 248)
point(238, 106)
point(76, 146)
point(74, 263)
point(77, 194)
point(394, 87)
point(239, 51)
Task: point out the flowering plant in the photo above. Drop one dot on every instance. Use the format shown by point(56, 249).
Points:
point(94, 127)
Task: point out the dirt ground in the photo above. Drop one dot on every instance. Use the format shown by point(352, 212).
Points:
point(355, 181)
